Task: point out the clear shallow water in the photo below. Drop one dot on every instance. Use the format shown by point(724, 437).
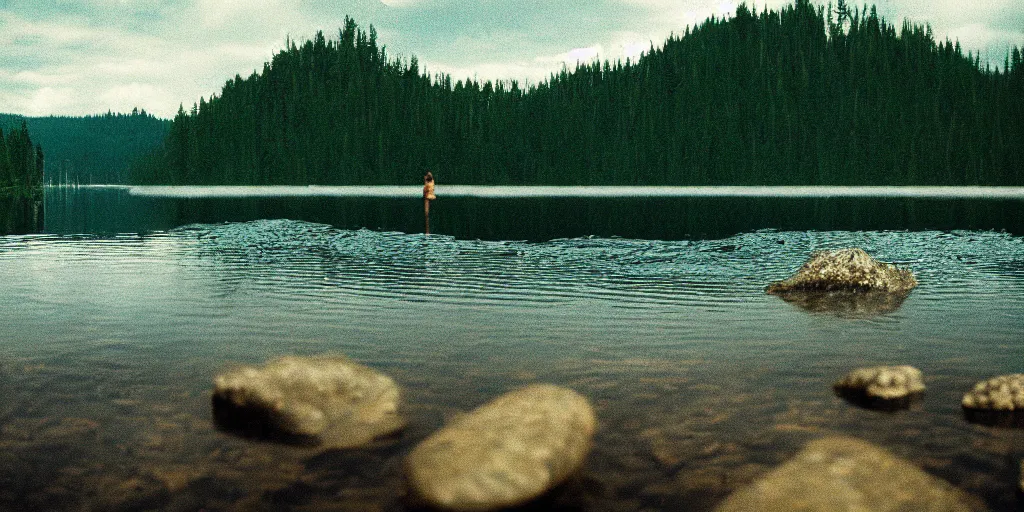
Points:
point(700, 380)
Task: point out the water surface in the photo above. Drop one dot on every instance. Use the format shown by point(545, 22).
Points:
point(118, 318)
point(544, 213)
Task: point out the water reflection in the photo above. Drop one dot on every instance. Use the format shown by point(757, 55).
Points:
point(115, 210)
point(19, 216)
point(1001, 419)
point(861, 399)
point(852, 304)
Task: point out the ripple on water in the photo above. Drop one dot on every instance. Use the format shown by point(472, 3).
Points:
point(628, 272)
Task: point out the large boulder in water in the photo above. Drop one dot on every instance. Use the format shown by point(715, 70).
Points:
point(846, 270)
point(330, 401)
point(844, 474)
point(882, 387)
point(996, 401)
point(506, 452)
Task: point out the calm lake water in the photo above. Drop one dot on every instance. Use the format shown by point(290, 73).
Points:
point(119, 314)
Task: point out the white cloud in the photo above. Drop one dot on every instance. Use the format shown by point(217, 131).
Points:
point(633, 50)
point(632, 45)
point(64, 66)
point(584, 54)
point(401, 3)
point(16, 29)
point(43, 79)
point(532, 71)
point(123, 98)
point(89, 56)
point(726, 8)
point(573, 56)
point(49, 99)
point(132, 68)
point(622, 45)
point(219, 13)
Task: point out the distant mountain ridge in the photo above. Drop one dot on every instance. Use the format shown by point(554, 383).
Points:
point(92, 149)
point(798, 96)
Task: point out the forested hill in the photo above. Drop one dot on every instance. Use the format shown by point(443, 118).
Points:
point(805, 95)
point(93, 149)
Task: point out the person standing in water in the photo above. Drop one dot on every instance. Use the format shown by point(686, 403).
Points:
point(428, 196)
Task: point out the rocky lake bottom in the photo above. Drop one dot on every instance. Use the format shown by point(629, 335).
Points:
point(700, 381)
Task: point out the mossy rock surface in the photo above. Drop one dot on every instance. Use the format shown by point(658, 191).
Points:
point(883, 387)
point(841, 474)
point(1002, 393)
point(504, 453)
point(329, 401)
point(998, 401)
point(846, 270)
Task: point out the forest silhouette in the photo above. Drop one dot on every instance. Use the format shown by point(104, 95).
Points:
point(805, 95)
point(92, 149)
point(21, 164)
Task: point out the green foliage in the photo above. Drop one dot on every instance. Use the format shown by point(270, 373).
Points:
point(799, 96)
point(21, 164)
point(93, 149)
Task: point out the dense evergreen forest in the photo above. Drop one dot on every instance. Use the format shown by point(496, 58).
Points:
point(93, 149)
point(805, 95)
point(21, 164)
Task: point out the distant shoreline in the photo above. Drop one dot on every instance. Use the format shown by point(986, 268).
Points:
point(481, 191)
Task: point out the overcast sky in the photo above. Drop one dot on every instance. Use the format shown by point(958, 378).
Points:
point(76, 57)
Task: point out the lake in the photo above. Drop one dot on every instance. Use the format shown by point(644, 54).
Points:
point(121, 305)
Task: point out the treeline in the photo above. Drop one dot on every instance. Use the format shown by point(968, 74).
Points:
point(93, 149)
point(21, 164)
point(805, 95)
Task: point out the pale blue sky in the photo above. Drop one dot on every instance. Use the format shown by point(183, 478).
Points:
point(75, 57)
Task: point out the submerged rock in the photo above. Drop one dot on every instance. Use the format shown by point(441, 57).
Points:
point(330, 401)
point(846, 269)
point(843, 474)
point(506, 452)
point(997, 401)
point(881, 387)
